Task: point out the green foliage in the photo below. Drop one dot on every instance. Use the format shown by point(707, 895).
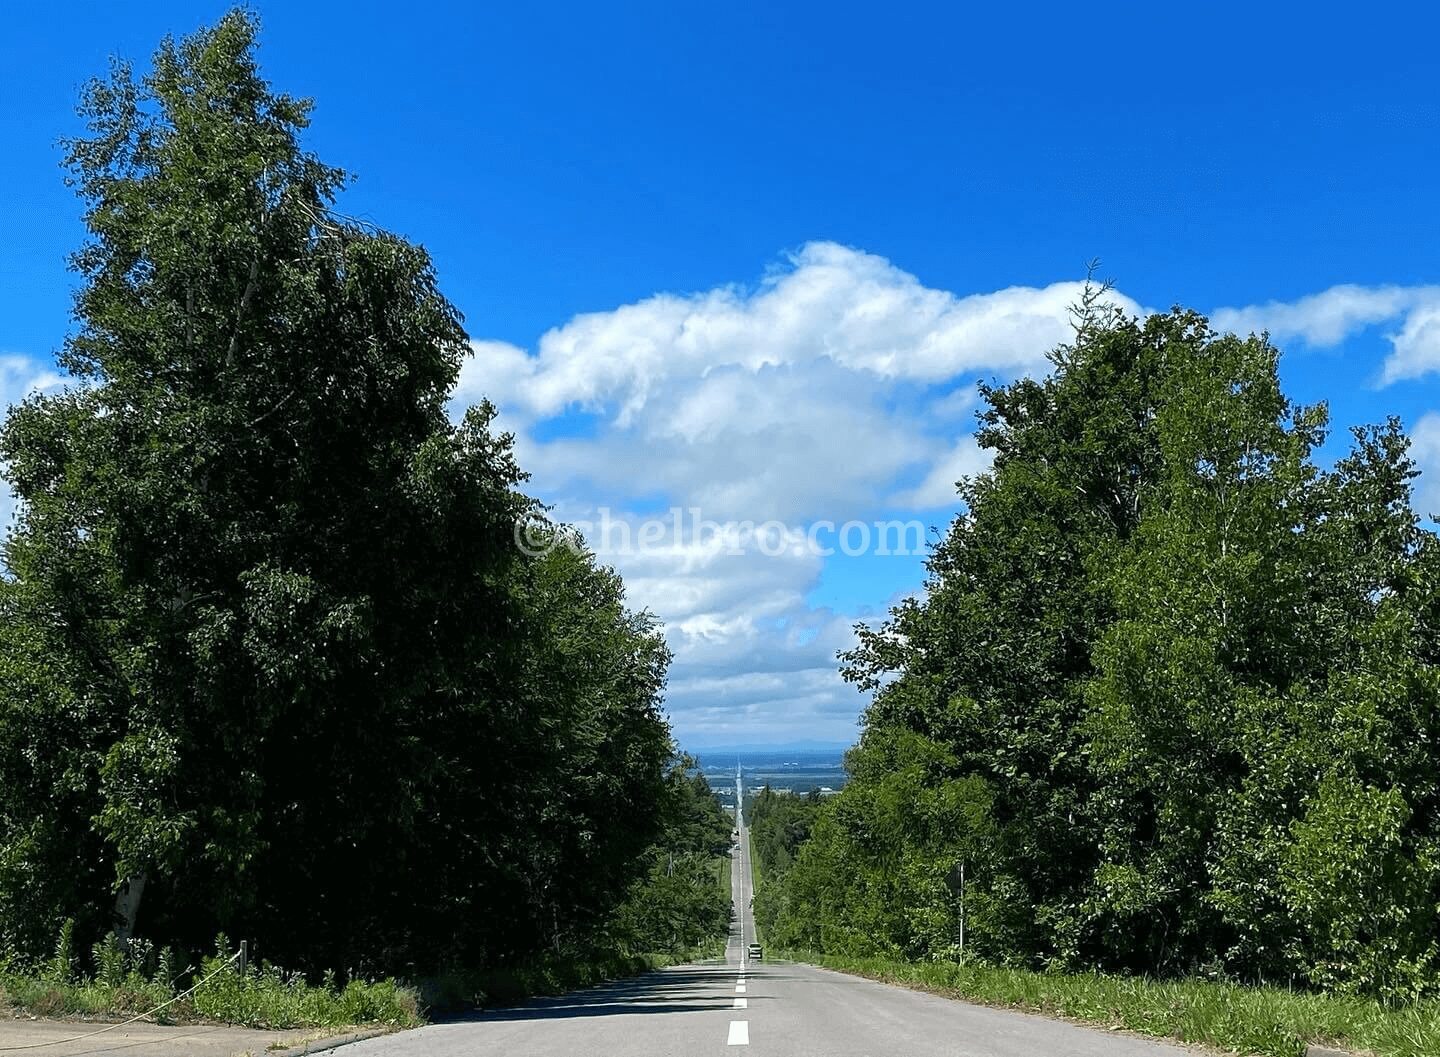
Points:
point(269, 997)
point(1170, 693)
point(61, 967)
point(269, 652)
point(879, 873)
point(778, 824)
point(678, 906)
point(681, 903)
point(131, 980)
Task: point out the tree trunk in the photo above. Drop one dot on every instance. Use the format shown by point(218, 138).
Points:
point(127, 906)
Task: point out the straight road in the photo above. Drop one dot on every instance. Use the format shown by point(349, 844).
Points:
point(742, 925)
point(731, 1007)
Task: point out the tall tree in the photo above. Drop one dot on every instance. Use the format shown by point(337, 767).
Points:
point(273, 660)
point(1183, 660)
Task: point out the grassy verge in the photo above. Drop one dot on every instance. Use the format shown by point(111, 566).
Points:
point(136, 982)
point(263, 998)
point(1248, 1020)
point(271, 998)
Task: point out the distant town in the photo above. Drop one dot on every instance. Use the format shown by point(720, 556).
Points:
point(794, 772)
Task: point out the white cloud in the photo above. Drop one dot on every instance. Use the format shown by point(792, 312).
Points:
point(937, 491)
point(1322, 319)
point(829, 302)
point(737, 619)
point(839, 387)
point(22, 375)
point(1329, 317)
point(19, 377)
point(496, 367)
point(1425, 450)
point(1416, 349)
point(811, 395)
point(748, 706)
point(783, 441)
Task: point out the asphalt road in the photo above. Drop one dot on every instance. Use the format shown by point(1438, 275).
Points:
point(730, 1007)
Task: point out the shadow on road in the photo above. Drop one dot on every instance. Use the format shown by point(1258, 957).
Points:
point(684, 989)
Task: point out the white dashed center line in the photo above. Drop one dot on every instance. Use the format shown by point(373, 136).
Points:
point(739, 1033)
point(739, 989)
point(741, 1003)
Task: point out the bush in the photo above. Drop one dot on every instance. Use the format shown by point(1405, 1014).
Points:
point(269, 997)
point(133, 980)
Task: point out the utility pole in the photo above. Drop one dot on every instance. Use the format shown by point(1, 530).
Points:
point(962, 913)
point(955, 881)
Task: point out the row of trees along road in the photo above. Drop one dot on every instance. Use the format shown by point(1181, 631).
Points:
point(779, 823)
point(270, 659)
point(1170, 694)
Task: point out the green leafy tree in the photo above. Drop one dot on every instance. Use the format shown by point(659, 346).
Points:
point(778, 824)
point(879, 869)
point(272, 660)
point(680, 904)
point(1180, 659)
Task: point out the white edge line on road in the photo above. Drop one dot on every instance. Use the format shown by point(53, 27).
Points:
point(739, 1033)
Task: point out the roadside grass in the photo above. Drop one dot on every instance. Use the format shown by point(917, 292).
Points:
point(131, 983)
point(268, 997)
point(272, 998)
point(1249, 1020)
point(46, 997)
point(136, 982)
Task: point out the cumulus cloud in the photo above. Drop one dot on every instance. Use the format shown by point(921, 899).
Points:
point(782, 441)
point(814, 393)
point(826, 302)
point(1327, 318)
point(19, 377)
point(1425, 450)
point(1322, 319)
point(836, 387)
point(937, 490)
point(1416, 349)
point(734, 601)
point(22, 375)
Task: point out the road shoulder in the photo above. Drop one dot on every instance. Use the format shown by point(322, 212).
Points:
point(89, 1038)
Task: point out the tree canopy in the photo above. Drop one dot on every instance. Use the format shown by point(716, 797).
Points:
point(1170, 693)
point(272, 660)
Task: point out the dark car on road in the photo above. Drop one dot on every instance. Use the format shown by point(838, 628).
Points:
point(757, 953)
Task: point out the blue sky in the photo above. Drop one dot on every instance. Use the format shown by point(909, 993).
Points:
point(753, 257)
